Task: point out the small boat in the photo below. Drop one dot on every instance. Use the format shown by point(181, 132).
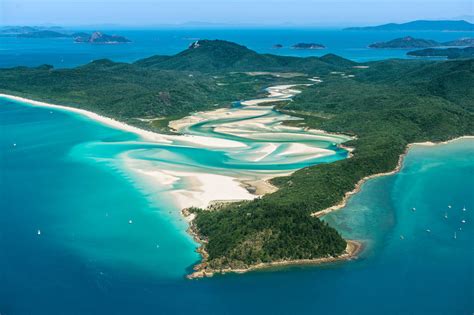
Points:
point(446, 215)
point(39, 232)
point(14, 144)
point(449, 206)
point(464, 208)
point(130, 221)
point(428, 230)
point(454, 235)
point(402, 237)
point(413, 209)
point(463, 221)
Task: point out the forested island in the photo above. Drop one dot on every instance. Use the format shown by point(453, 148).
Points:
point(308, 46)
point(100, 38)
point(409, 42)
point(385, 105)
point(419, 25)
point(58, 32)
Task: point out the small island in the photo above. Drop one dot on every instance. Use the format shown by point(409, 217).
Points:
point(58, 32)
point(100, 38)
point(468, 41)
point(43, 34)
point(407, 42)
point(277, 46)
point(309, 46)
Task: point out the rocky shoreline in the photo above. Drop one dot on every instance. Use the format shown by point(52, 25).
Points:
point(203, 270)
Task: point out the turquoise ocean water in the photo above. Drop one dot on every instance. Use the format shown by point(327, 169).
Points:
point(89, 259)
point(63, 178)
point(145, 43)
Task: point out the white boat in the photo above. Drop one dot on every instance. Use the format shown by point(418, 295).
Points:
point(428, 230)
point(449, 206)
point(463, 221)
point(402, 237)
point(464, 208)
point(39, 232)
point(413, 209)
point(130, 221)
point(446, 215)
point(454, 235)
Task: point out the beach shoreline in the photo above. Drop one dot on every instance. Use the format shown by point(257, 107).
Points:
point(110, 122)
point(257, 187)
point(351, 252)
point(361, 182)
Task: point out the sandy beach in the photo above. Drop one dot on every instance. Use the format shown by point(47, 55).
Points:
point(202, 188)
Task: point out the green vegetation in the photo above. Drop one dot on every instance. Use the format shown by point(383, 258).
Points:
point(127, 92)
point(450, 53)
point(406, 43)
point(387, 106)
point(221, 56)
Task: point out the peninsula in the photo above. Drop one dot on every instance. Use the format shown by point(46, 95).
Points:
point(384, 106)
point(449, 53)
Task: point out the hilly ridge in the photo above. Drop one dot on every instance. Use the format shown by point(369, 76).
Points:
point(221, 56)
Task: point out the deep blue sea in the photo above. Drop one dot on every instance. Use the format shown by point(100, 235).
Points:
point(65, 53)
point(58, 174)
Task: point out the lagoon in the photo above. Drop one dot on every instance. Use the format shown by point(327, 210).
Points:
point(64, 178)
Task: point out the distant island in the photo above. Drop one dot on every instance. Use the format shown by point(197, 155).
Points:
point(100, 38)
point(278, 46)
point(409, 42)
point(449, 53)
point(420, 25)
point(58, 32)
point(19, 30)
point(308, 46)
point(460, 42)
point(42, 34)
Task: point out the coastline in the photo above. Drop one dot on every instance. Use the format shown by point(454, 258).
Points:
point(353, 247)
point(201, 270)
point(147, 135)
point(359, 184)
point(256, 187)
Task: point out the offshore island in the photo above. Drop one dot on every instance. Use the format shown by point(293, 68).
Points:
point(379, 108)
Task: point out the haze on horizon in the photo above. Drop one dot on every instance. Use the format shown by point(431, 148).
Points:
point(254, 12)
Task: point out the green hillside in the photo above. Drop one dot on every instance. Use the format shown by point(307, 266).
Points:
point(386, 104)
point(222, 56)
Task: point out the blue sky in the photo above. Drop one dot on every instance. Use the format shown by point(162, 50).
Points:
point(265, 12)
